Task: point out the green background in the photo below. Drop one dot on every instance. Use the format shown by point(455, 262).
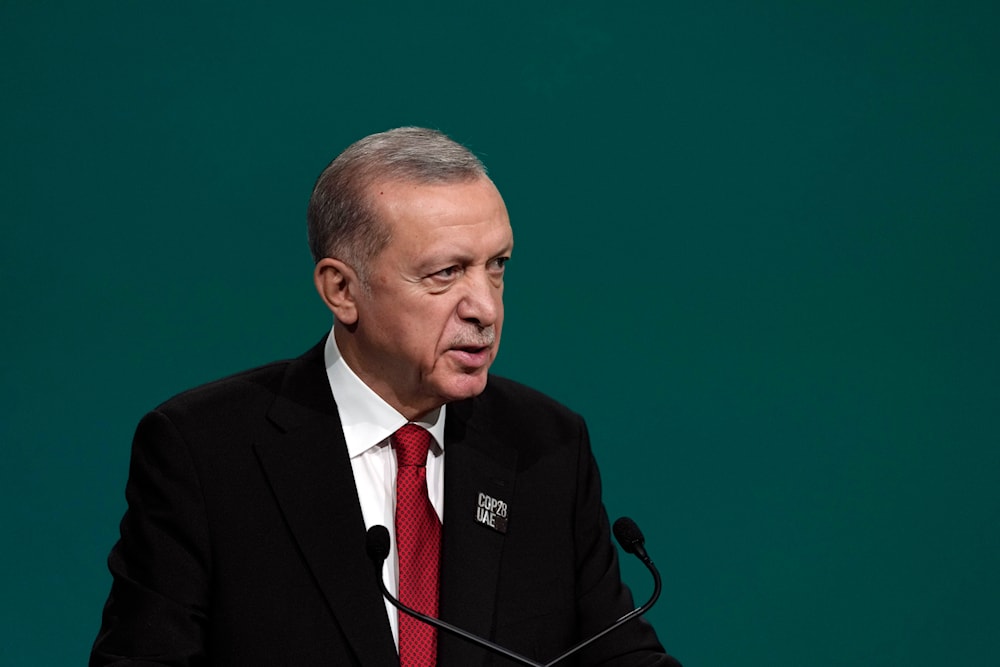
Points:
point(757, 247)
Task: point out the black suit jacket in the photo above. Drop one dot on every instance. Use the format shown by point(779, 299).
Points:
point(244, 542)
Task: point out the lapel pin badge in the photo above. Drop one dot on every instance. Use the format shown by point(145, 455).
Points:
point(491, 512)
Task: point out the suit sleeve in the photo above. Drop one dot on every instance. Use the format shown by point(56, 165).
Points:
point(599, 584)
point(156, 612)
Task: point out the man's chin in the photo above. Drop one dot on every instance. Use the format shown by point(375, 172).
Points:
point(465, 386)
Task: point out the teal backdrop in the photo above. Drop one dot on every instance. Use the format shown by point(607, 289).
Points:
point(757, 247)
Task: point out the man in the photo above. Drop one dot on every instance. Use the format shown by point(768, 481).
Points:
point(249, 498)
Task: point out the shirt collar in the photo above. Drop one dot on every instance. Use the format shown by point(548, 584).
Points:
point(366, 418)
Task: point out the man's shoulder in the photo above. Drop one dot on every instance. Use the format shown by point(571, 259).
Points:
point(504, 399)
point(513, 416)
point(503, 389)
point(254, 387)
point(251, 387)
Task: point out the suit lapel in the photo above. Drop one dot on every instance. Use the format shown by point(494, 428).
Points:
point(475, 463)
point(307, 465)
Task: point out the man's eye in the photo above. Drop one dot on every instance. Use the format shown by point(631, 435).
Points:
point(497, 264)
point(450, 272)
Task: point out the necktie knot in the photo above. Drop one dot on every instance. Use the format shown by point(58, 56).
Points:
point(412, 443)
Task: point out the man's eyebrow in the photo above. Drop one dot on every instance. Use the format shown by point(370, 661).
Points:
point(441, 261)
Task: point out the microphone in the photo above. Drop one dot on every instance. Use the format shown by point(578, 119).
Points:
point(628, 535)
point(377, 544)
point(626, 532)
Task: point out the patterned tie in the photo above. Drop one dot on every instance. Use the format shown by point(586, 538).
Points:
point(418, 541)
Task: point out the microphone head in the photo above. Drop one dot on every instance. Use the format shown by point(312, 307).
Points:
point(627, 533)
point(377, 544)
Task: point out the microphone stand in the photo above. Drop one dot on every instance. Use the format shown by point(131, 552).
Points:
point(635, 613)
point(378, 549)
point(448, 627)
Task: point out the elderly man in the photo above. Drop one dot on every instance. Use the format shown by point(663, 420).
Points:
point(249, 498)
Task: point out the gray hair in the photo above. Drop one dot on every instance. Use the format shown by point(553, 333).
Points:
point(342, 222)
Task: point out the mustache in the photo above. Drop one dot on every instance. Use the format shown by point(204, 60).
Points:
point(479, 338)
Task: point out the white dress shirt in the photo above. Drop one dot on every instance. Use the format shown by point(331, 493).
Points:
point(368, 421)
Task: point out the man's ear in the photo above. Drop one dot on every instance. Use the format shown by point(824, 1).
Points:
point(338, 285)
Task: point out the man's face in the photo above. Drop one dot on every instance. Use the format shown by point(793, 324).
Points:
point(429, 326)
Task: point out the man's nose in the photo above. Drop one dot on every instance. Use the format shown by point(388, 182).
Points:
point(482, 300)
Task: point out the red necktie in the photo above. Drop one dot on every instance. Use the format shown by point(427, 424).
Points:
point(418, 541)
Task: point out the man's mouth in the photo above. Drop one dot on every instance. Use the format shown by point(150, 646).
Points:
point(473, 348)
point(472, 356)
